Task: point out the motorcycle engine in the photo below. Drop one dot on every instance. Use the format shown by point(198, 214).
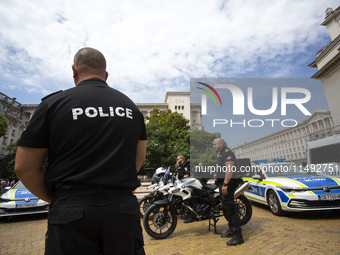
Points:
point(202, 209)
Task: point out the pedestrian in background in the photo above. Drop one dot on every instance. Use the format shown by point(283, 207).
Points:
point(95, 140)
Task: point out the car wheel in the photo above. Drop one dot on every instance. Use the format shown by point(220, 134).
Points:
point(274, 203)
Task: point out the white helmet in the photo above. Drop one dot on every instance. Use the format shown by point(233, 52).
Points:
point(160, 170)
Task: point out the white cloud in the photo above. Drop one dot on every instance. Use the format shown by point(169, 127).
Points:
point(155, 46)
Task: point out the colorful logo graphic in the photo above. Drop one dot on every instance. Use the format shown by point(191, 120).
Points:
point(209, 93)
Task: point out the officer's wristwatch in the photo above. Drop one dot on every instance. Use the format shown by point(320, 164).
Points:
point(224, 184)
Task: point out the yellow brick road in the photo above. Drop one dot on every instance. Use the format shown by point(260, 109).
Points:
point(298, 233)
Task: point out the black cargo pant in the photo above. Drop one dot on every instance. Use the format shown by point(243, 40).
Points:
point(100, 223)
point(228, 203)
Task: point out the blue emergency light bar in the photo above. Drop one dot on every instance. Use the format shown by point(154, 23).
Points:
point(258, 161)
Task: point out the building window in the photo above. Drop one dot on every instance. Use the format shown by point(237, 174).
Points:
point(182, 107)
point(13, 132)
point(175, 107)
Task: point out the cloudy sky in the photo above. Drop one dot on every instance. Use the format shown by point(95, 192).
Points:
point(156, 46)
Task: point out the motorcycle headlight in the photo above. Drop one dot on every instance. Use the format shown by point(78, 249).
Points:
point(175, 190)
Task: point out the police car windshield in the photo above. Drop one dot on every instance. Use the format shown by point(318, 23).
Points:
point(283, 169)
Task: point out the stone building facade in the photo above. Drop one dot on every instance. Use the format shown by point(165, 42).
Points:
point(17, 116)
point(290, 143)
point(328, 63)
point(177, 102)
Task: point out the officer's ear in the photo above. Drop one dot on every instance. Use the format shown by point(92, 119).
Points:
point(75, 71)
point(106, 75)
point(75, 74)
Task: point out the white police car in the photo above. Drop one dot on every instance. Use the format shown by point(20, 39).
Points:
point(18, 200)
point(286, 186)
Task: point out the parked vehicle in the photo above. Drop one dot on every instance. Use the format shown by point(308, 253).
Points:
point(160, 218)
point(160, 183)
point(18, 200)
point(286, 186)
point(323, 155)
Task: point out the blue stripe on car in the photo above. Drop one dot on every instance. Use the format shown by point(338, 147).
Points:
point(283, 196)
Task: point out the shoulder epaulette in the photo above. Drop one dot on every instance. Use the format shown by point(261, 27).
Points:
point(51, 95)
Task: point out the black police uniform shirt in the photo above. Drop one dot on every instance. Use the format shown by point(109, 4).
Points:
point(91, 132)
point(225, 155)
point(183, 170)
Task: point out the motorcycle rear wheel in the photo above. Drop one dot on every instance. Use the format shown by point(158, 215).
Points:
point(244, 209)
point(158, 222)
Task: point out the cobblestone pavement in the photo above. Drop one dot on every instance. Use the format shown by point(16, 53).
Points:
point(298, 233)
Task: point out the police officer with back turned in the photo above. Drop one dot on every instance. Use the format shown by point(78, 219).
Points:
point(95, 140)
point(227, 187)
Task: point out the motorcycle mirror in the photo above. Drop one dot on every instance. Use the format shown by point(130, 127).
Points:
point(257, 177)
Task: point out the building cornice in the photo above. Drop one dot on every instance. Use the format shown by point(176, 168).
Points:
point(331, 16)
point(151, 104)
point(175, 94)
point(326, 69)
point(29, 105)
point(325, 51)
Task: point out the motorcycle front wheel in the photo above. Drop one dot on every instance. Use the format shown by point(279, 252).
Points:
point(144, 204)
point(158, 222)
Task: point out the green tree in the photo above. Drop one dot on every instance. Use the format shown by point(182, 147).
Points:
point(8, 162)
point(201, 147)
point(3, 125)
point(168, 135)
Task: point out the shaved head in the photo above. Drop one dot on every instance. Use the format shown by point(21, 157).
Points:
point(218, 144)
point(219, 140)
point(88, 59)
point(89, 63)
point(180, 159)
